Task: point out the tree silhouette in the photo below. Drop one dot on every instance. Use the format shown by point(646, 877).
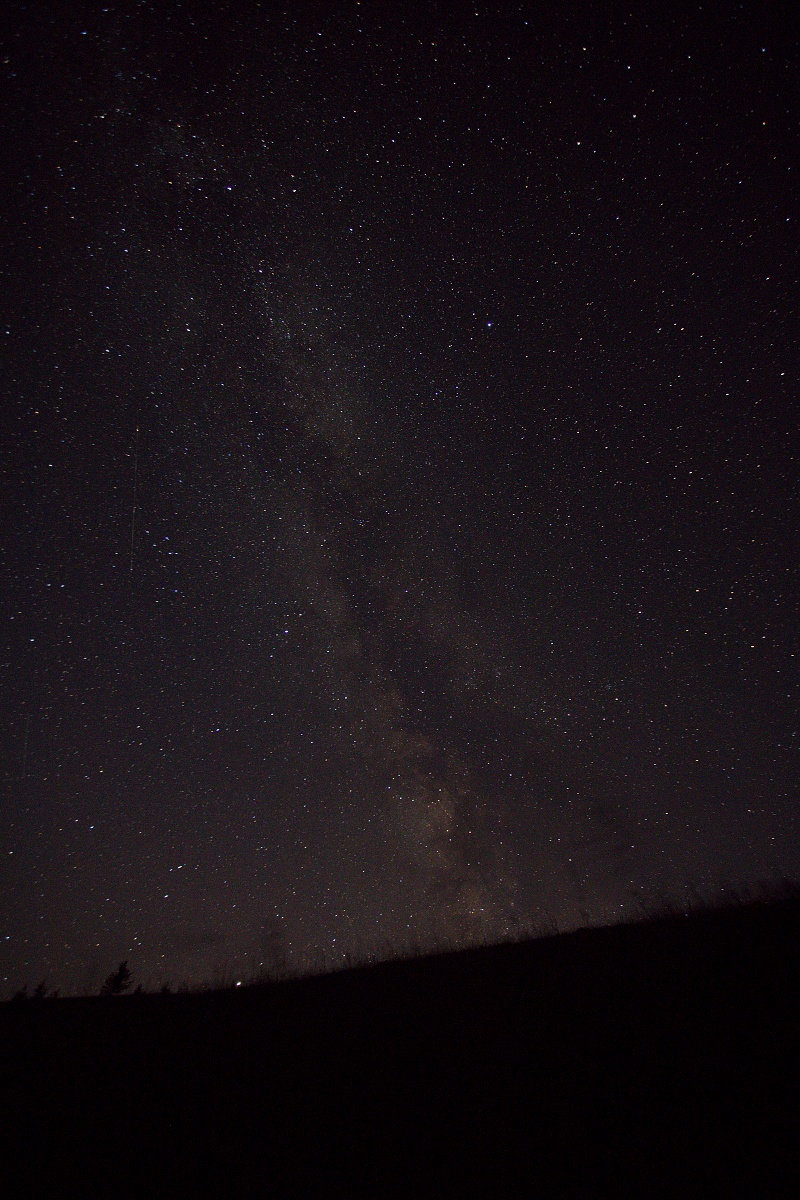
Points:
point(40, 992)
point(118, 981)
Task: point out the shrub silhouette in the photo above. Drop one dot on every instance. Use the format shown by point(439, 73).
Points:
point(40, 992)
point(118, 981)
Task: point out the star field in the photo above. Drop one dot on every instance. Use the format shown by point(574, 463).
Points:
point(400, 531)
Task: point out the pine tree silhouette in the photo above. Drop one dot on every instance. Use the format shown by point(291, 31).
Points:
point(118, 981)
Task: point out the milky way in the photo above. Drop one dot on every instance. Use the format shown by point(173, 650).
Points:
point(401, 541)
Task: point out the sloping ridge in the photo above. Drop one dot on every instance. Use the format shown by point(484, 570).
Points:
point(659, 1058)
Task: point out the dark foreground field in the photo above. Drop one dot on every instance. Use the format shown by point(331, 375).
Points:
point(658, 1059)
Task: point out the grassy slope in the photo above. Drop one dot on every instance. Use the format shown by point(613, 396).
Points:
point(653, 1059)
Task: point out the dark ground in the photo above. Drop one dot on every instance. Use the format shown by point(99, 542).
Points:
point(651, 1059)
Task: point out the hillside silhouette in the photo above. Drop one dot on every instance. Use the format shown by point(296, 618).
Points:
point(656, 1058)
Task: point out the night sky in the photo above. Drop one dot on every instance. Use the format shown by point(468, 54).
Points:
point(400, 463)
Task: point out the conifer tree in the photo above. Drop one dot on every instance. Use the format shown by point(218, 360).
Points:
point(118, 981)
